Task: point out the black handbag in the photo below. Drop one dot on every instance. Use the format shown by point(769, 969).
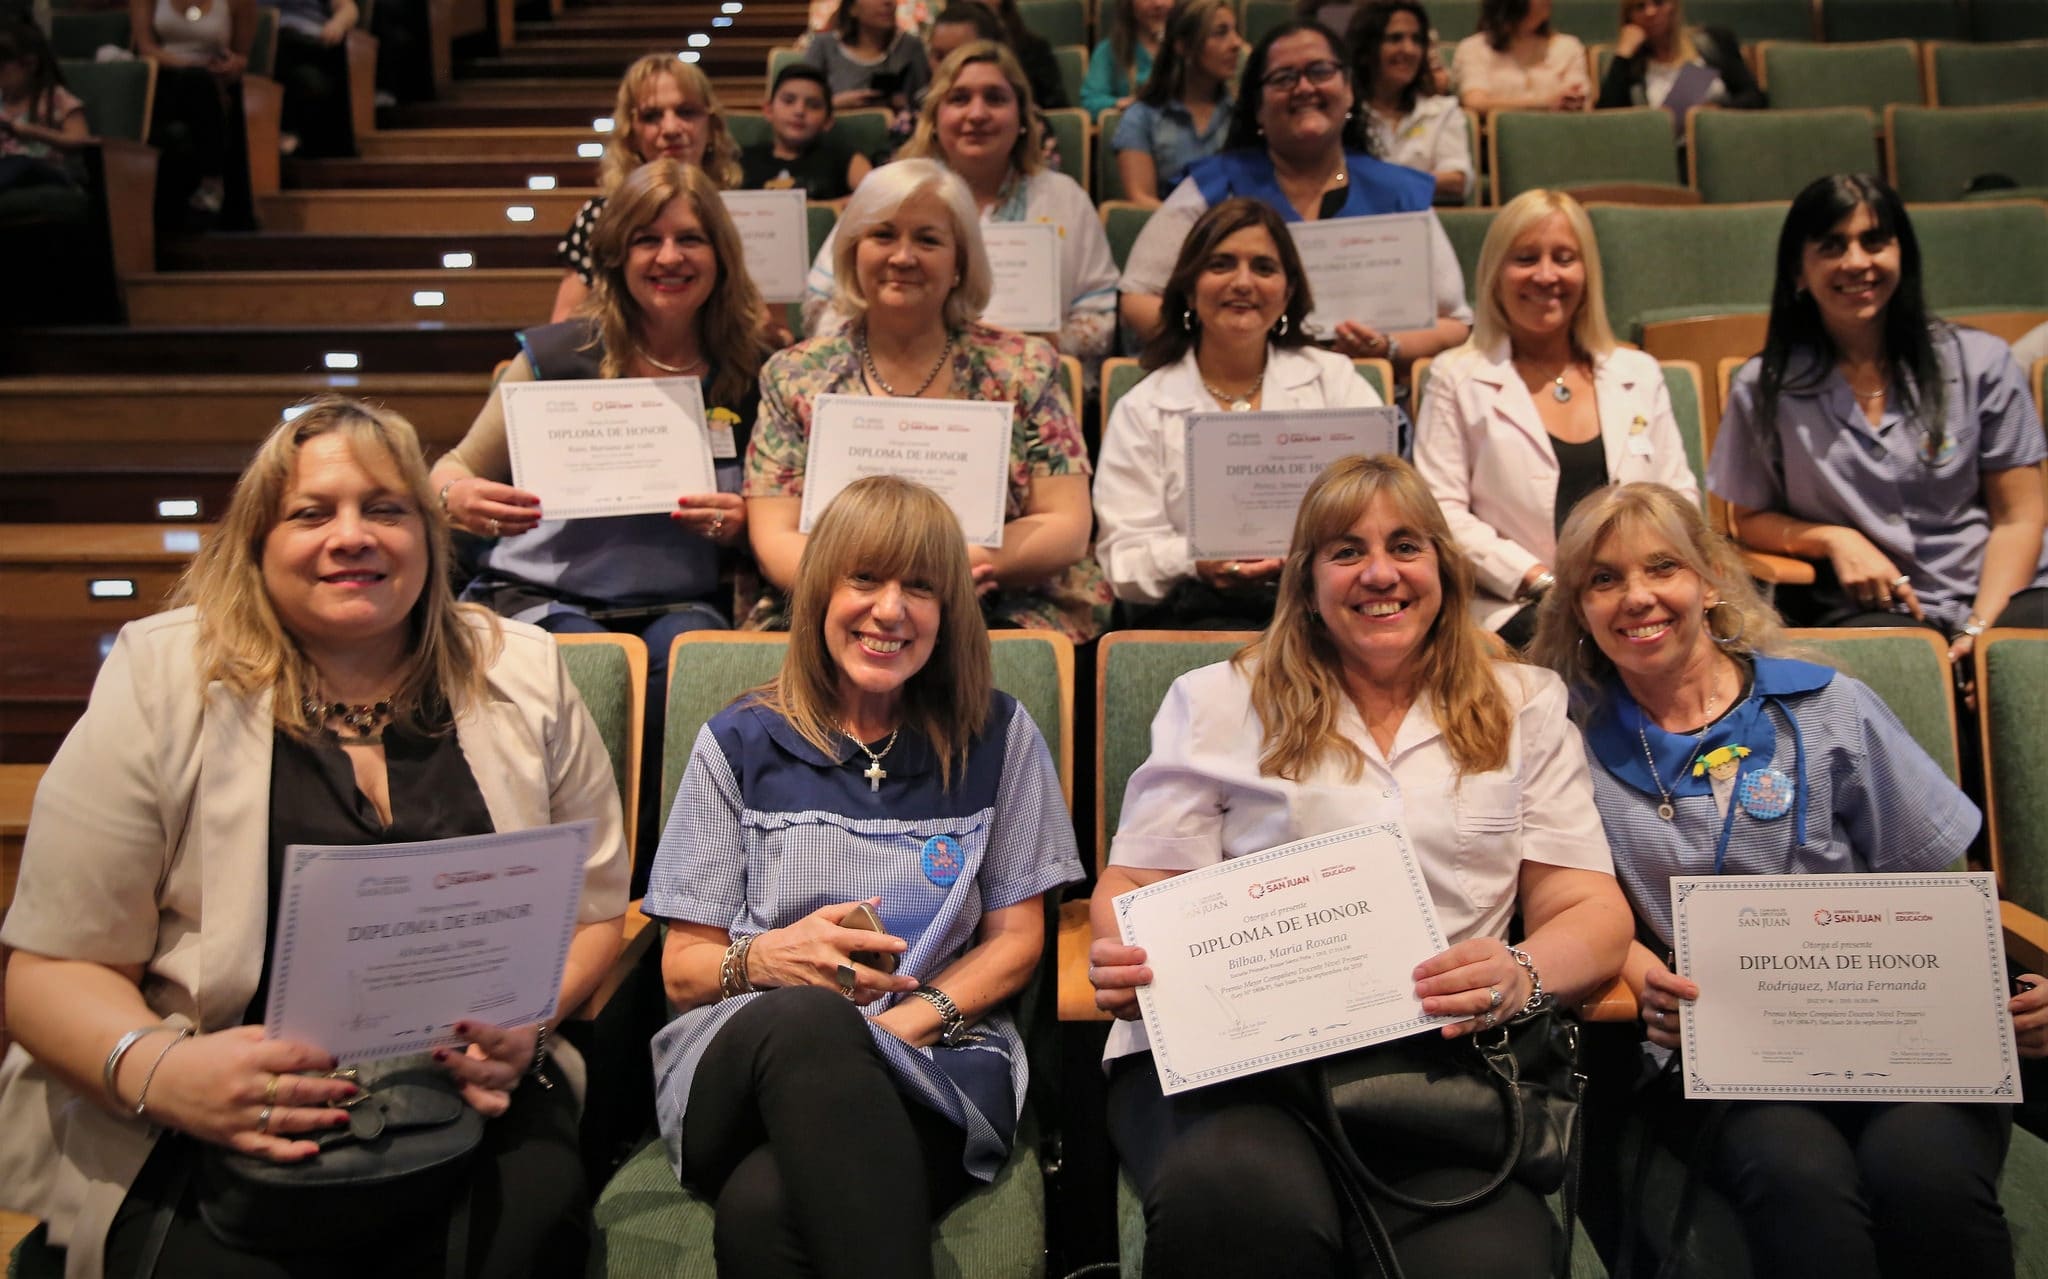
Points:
point(1503, 1102)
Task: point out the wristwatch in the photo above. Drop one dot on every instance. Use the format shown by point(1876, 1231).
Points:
point(953, 1030)
point(1393, 349)
point(1534, 590)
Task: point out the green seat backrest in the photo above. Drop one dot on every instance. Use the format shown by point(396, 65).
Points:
point(1122, 226)
point(1133, 671)
point(1709, 260)
point(1893, 20)
point(1466, 229)
point(1983, 256)
point(1261, 16)
point(1938, 151)
point(1375, 377)
point(1453, 20)
point(1772, 155)
point(2016, 761)
point(2008, 20)
point(819, 219)
point(1070, 126)
point(1753, 20)
point(1579, 148)
point(1684, 390)
point(1109, 180)
point(1119, 379)
point(748, 128)
point(865, 130)
point(780, 58)
point(1985, 75)
point(1073, 60)
point(1842, 75)
point(1906, 671)
point(80, 35)
point(263, 45)
point(602, 675)
point(1590, 20)
point(117, 95)
point(1056, 22)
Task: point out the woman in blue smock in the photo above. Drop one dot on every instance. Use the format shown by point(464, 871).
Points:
point(1712, 754)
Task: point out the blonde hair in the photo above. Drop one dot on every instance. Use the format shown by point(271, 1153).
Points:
point(887, 527)
point(244, 645)
point(721, 152)
point(1027, 155)
point(1743, 623)
point(878, 199)
point(1591, 335)
point(1683, 49)
point(728, 326)
point(1295, 669)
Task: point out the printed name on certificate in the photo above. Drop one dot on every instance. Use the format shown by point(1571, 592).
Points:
point(608, 446)
point(959, 449)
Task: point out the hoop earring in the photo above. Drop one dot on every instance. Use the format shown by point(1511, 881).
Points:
point(1280, 329)
point(1727, 641)
point(1187, 320)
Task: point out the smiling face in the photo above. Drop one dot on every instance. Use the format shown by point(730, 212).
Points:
point(1400, 51)
point(665, 123)
point(1379, 589)
point(1242, 288)
point(1542, 280)
point(1304, 95)
point(1851, 272)
point(979, 118)
point(1646, 608)
point(670, 266)
point(879, 632)
point(911, 260)
point(798, 113)
point(347, 558)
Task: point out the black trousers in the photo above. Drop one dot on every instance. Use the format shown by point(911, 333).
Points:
point(1825, 604)
point(316, 106)
point(1234, 1186)
point(816, 1163)
point(529, 1211)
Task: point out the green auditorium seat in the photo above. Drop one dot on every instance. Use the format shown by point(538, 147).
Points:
point(1736, 156)
point(1873, 75)
point(1934, 153)
point(1908, 668)
point(1590, 20)
point(866, 129)
point(1842, 20)
point(1057, 22)
point(1983, 75)
point(118, 95)
point(1070, 127)
point(2012, 669)
point(1261, 16)
point(1466, 229)
point(1666, 264)
point(1121, 222)
point(80, 34)
point(1109, 180)
point(1614, 154)
point(1453, 20)
point(2008, 19)
point(780, 58)
point(1073, 60)
point(1983, 256)
point(1754, 20)
point(263, 43)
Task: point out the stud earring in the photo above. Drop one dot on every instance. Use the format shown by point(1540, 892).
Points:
point(1187, 320)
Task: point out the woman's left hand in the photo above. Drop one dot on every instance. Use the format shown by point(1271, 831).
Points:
point(2030, 1016)
point(497, 1059)
point(719, 517)
point(1476, 978)
point(983, 566)
point(228, 67)
point(1359, 341)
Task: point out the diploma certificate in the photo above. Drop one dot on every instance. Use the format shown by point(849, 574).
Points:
point(960, 448)
point(1025, 258)
point(775, 240)
point(608, 446)
point(1845, 988)
point(382, 948)
point(1247, 472)
point(1375, 270)
point(1282, 956)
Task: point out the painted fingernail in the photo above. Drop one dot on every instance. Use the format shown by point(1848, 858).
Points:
point(440, 1054)
point(462, 1028)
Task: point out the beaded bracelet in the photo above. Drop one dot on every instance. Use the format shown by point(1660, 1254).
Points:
point(142, 1098)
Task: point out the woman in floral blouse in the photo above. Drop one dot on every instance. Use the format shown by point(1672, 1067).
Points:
point(911, 272)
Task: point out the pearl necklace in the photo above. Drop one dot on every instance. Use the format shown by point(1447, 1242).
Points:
point(1237, 403)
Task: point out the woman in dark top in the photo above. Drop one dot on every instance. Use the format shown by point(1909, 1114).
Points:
point(1661, 62)
point(320, 684)
point(1034, 54)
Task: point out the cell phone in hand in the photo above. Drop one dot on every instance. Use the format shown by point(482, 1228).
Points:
point(863, 916)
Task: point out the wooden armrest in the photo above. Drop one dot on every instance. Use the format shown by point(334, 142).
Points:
point(639, 938)
point(262, 123)
point(1077, 995)
point(1634, 193)
point(362, 82)
point(1778, 569)
point(1616, 1003)
point(126, 173)
point(2026, 936)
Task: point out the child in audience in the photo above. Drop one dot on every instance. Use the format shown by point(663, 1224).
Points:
point(40, 119)
point(801, 154)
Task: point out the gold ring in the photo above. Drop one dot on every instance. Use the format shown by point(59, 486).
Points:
point(270, 1090)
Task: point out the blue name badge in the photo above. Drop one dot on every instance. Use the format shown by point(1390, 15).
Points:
point(941, 860)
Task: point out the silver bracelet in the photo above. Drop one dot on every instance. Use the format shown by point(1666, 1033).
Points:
point(121, 1047)
point(732, 970)
point(1535, 1000)
point(142, 1098)
point(539, 1068)
point(952, 1025)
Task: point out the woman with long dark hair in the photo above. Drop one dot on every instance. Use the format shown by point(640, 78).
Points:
point(1184, 111)
point(1516, 62)
point(1410, 123)
point(1899, 451)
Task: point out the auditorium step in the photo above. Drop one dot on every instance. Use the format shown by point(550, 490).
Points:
point(289, 348)
point(479, 144)
point(297, 251)
point(224, 410)
point(421, 212)
point(514, 176)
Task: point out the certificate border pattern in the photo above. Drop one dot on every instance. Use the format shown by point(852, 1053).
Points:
point(2004, 1089)
point(1192, 421)
point(808, 514)
point(509, 391)
point(1051, 235)
point(1426, 218)
point(796, 198)
point(1162, 1052)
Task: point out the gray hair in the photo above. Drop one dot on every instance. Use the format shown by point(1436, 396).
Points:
point(880, 195)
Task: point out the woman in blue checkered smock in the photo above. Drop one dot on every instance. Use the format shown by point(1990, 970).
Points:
point(832, 1089)
point(1712, 756)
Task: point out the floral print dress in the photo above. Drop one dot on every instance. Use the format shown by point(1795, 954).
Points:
point(988, 364)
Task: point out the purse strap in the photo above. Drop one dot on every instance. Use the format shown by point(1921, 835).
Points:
point(1704, 1143)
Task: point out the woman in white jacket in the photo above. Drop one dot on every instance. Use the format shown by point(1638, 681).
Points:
point(1539, 409)
point(1233, 340)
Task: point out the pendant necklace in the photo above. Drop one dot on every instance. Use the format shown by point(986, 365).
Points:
point(867, 360)
point(874, 772)
point(194, 13)
point(1237, 403)
point(364, 719)
point(1559, 391)
point(1667, 809)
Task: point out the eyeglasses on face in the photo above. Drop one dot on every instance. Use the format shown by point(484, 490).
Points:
point(1316, 73)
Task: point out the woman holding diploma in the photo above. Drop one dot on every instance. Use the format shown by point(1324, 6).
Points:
point(1298, 144)
point(1372, 697)
point(822, 1086)
point(319, 686)
point(1714, 754)
point(1539, 409)
point(672, 299)
point(1241, 295)
point(909, 267)
point(978, 121)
